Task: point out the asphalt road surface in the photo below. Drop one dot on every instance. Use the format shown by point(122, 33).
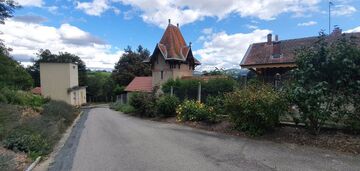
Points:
point(105, 140)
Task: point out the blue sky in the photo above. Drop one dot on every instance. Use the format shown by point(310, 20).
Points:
point(220, 31)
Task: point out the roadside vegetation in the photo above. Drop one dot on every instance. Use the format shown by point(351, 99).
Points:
point(30, 125)
point(320, 97)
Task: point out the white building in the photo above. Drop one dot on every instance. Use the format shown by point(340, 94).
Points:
point(60, 81)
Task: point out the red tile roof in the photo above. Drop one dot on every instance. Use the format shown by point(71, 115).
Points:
point(143, 84)
point(36, 90)
point(262, 53)
point(173, 46)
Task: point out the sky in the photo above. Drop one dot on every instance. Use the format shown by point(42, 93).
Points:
point(220, 30)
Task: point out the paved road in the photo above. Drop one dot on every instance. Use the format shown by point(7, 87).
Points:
point(107, 140)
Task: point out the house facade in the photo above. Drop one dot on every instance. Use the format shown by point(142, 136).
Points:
point(172, 58)
point(60, 81)
point(273, 59)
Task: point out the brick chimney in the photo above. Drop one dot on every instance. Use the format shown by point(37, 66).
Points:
point(269, 39)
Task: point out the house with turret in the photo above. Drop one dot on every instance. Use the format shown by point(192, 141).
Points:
point(172, 58)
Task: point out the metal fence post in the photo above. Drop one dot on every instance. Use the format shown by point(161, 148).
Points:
point(199, 92)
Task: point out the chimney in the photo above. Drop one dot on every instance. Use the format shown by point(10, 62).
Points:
point(269, 39)
point(177, 25)
point(169, 21)
point(276, 38)
point(337, 31)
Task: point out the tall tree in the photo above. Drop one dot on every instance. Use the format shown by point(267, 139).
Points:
point(12, 74)
point(7, 8)
point(131, 65)
point(62, 57)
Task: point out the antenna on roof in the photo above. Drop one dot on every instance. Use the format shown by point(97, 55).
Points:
point(169, 21)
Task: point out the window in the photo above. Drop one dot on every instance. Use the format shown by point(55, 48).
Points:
point(162, 74)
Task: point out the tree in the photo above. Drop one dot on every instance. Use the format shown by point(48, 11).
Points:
point(7, 8)
point(12, 74)
point(100, 86)
point(62, 57)
point(131, 65)
point(327, 82)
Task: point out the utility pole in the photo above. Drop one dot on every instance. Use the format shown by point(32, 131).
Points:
point(330, 3)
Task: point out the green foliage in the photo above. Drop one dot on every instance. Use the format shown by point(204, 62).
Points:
point(27, 141)
point(131, 65)
point(191, 110)
point(188, 89)
point(62, 57)
point(327, 83)
point(217, 103)
point(166, 105)
point(22, 98)
point(9, 119)
point(7, 8)
point(125, 108)
point(59, 110)
point(35, 135)
point(144, 104)
point(12, 74)
point(255, 109)
point(100, 86)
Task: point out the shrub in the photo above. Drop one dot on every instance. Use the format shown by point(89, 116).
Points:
point(27, 141)
point(144, 104)
point(166, 105)
point(59, 110)
point(326, 85)
point(9, 118)
point(255, 109)
point(217, 103)
point(191, 110)
point(22, 98)
point(125, 108)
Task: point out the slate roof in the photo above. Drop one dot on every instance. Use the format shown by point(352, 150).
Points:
point(142, 84)
point(173, 46)
point(262, 53)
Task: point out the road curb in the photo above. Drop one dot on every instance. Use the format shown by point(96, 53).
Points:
point(31, 167)
point(44, 165)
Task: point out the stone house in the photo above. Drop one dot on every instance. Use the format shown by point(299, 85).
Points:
point(172, 58)
point(271, 60)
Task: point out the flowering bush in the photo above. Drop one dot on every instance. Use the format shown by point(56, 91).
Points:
point(255, 109)
point(191, 110)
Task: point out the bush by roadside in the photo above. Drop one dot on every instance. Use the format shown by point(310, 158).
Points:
point(36, 135)
point(144, 104)
point(255, 109)
point(22, 98)
point(125, 108)
point(191, 110)
point(166, 106)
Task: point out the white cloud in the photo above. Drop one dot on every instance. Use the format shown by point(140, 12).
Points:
point(310, 23)
point(95, 8)
point(224, 50)
point(27, 38)
point(187, 11)
point(36, 3)
point(343, 10)
point(356, 29)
